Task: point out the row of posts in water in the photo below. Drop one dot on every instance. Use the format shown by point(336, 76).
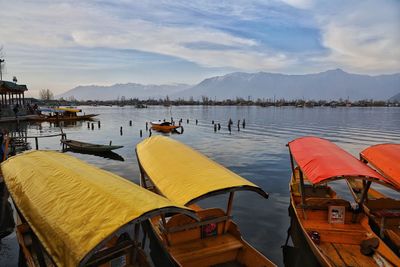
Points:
point(217, 126)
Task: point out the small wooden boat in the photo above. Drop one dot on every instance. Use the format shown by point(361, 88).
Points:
point(383, 211)
point(82, 146)
point(337, 233)
point(62, 114)
point(165, 127)
point(185, 178)
point(73, 214)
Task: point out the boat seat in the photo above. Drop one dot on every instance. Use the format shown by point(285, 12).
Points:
point(382, 204)
point(206, 248)
point(317, 203)
point(181, 228)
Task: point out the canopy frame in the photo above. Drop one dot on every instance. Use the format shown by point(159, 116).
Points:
point(231, 191)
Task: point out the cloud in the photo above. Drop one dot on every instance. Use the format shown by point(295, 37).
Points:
point(212, 37)
point(362, 36)
point(93, 26)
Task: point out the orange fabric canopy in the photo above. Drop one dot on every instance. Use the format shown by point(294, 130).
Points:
point(320, 161)
point(386, 159)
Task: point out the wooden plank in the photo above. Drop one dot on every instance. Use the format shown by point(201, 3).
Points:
point(330, 252)
point(352, 256)
point(206, 247)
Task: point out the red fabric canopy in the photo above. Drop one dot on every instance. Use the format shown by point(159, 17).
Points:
point(321, 160)
point(386, 159)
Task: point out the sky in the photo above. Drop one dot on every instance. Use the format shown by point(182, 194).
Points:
point(60, 44)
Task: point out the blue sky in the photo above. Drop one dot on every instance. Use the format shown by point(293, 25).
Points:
point(61, 44)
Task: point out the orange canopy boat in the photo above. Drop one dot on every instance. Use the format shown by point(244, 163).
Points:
point(337, 233)
point(383, 211)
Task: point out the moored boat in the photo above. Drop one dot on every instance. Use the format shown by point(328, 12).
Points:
point(185, 176)
point(73, 214)
point(62, 114)
point(337, 233)
point(383, 211)
point(88, 147)
point(165, 127)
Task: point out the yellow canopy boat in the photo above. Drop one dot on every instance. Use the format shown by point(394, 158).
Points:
point(185, 176)
point(74, 214)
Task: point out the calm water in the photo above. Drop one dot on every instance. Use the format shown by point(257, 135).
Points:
point(257, 152)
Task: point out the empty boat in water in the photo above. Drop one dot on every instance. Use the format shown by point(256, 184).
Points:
point(88, 147)
point(337, 233)
point(73, 214)
point(383, 211)
point(185, 176)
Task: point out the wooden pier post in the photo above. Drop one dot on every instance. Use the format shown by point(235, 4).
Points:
point(141, 133)
point(130, 123)
point(98, 124)
point(215, 128)
point(37, 143)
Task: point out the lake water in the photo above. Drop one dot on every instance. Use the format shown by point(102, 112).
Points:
point(257, 153)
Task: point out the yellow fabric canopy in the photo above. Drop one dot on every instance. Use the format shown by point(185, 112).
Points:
point(183, 175)
point(72, 206)
point(73, 110)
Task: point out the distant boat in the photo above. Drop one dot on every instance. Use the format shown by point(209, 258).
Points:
point(164, 127)
point(82, 146)
point(62, 114)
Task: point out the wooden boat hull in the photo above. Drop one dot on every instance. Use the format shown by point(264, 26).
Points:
point(339, 244)
point(64, 118)
point(82, 146)
point(165, 128)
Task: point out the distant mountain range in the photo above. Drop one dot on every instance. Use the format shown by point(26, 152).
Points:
point(395, 98)
point(331, 84)
point(127, 90)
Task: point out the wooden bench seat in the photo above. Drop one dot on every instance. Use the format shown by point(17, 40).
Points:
point(203, 248)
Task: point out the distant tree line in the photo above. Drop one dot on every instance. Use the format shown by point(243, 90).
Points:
point(47, 99)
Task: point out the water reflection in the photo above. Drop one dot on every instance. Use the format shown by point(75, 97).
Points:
point(299, 254)
point(106, 155)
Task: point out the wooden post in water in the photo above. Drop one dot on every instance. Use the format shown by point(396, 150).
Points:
point(219, 126)
point(197, 121)
point(244, 124)
point(98, 124)
point(229, 128)
point(149, 132)
point(37, 143)
point(88, 125)
point(120, 130)
point(147, 125)
point(187, 121)
point(212, 122)
point(215, 128)
point(92, 126)
point(130, 123)
point(140, 133)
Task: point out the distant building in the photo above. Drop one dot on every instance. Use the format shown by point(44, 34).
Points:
point(12, 94)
